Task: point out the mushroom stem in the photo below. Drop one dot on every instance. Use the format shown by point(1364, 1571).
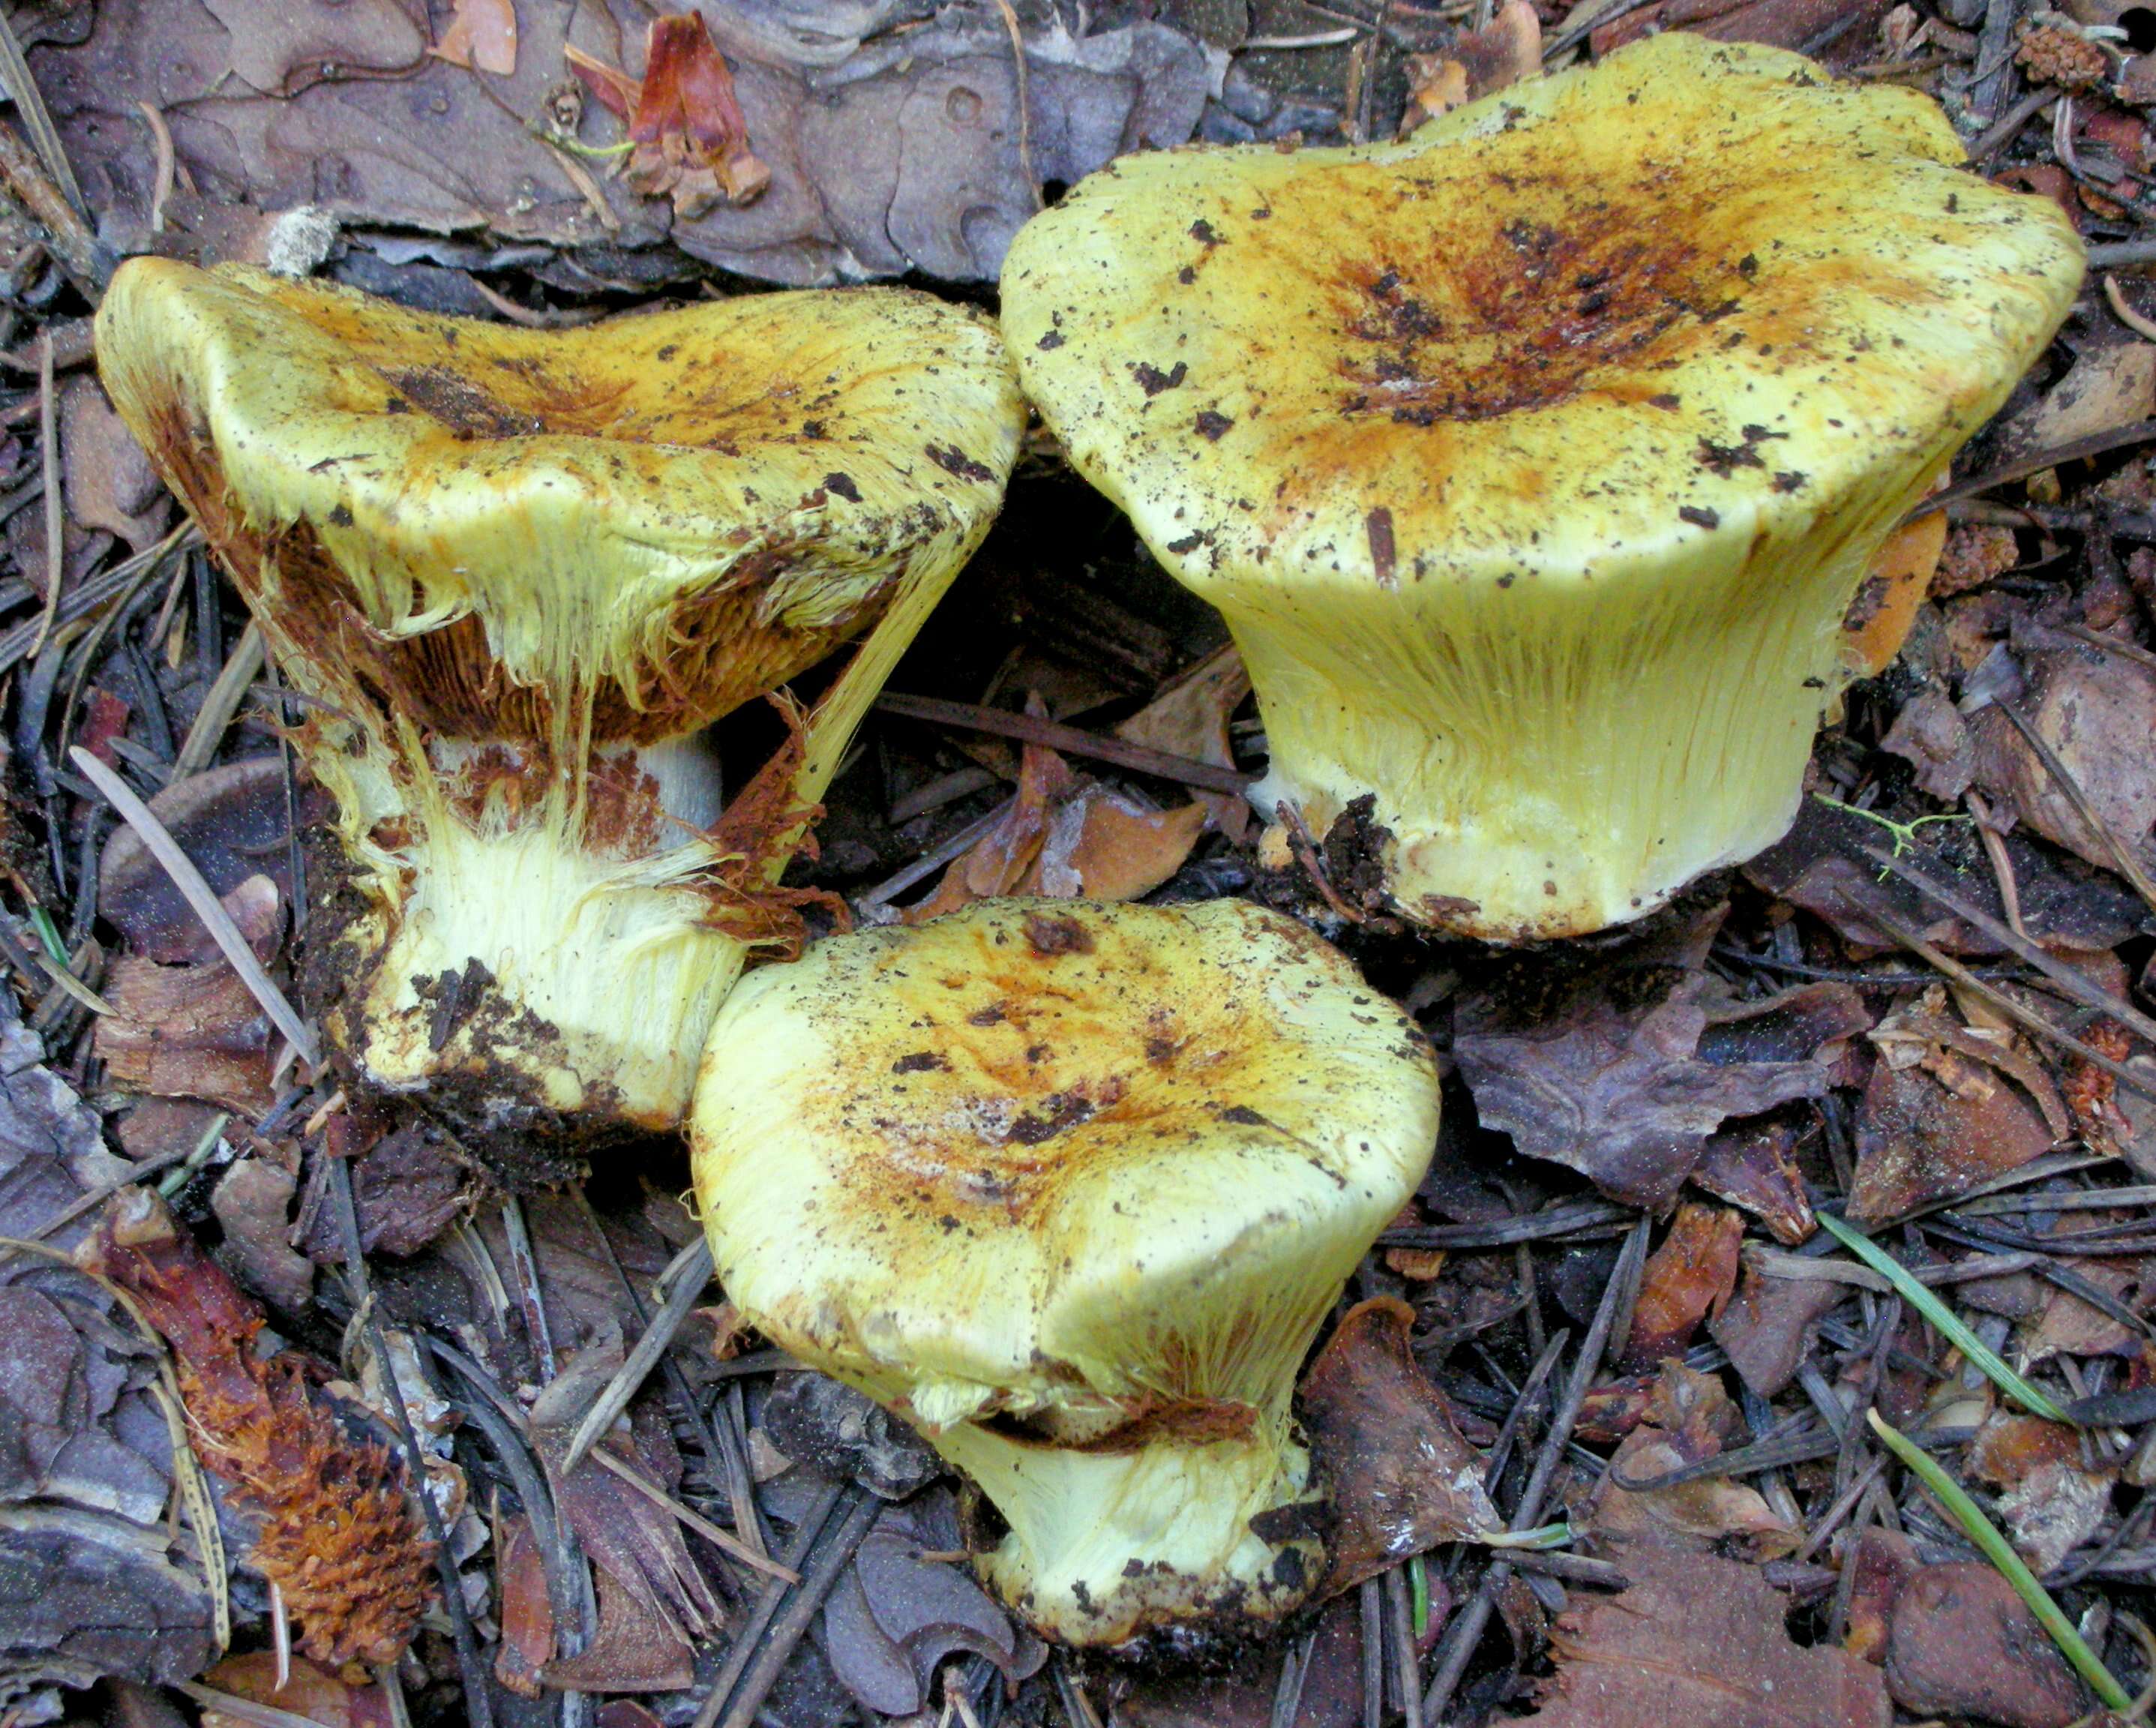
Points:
point(583, 942)
point(1104, 1543)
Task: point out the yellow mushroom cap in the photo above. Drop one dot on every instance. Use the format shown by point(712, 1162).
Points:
point(1535, 461)
point(1071, 1186)
point(517, 571)
point(654, 518)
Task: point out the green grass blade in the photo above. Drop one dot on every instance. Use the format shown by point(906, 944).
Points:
point(2000, 1553)
point(1943, 1319)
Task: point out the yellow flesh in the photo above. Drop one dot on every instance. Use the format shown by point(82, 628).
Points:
point(1535, 462)
point(518, 570)
point(1086, 1166)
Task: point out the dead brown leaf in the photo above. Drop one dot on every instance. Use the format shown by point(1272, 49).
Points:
point(1621, 1070)
point(1702, 1642)
point(109, 483)
point(1687, 1278)
point(252, 1205)
point(197, 1031)
point(482, 34)
point(630, 1540)
point(1066, 837)
point(690, 136)
point(1507, 50)
point(1918, 1140)
point(1752, 1164)
point(1190, 717)
point(891, 138)
point(1877, 1563)
point(2096, 712)
point(1689, 1420)
point(1824, 865)
point(2053, 1501)
point(1767, 1329)
point(1402, 1478)
point(523, 1608)
point(1961, 1644)
point(306, 1692)
point(2106, 388)
point(2071, 1326)
point(1931, 735)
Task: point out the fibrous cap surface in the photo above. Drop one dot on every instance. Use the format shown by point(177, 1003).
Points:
point(1561, 334)
point(1085, 1161)
point(667, 513)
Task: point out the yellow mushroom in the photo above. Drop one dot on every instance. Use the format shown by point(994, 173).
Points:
point(1071, 1186)
point(1536, 462)
point(516, 572)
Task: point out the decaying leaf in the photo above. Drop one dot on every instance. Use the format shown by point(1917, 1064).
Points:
point(51, 1151)
point(1824, 865)
point(1931, 736)
point(1507, 50)
point(2071, 1325)
point(1752, 1164)
point(690, 136)
point(197, 1031)
point(1767, 1330)
point(2053, 1500)
point(1833, 29)
point(252, 1205)
point(2106, 388)
point(305, 1691)
point(232, 823)
point(1689, 1419)
point(897, 1615)
point(631, 1540)
point(110, 483)
point(1702, 1642)
point(1067, 837)
point(1622, 1069)
point(481, 35)
point(1940, 1115)
point(1402, 1478)
point(892, 139)
point(2095, 711)
point(1878, 1561)
point(1190, 717)
point(93, 1587)
point(1687, 1278)
point(815, 1420)
point(338, 1536)
point(1331, 1687)
point(407, 1188)
point(1961, 1644)
point(66, 1568)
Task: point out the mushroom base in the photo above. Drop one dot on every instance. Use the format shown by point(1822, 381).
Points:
point(1545, 879)
point(1109, 1547)
point(537, 999)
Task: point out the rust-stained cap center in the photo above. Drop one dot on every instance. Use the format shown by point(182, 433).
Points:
point(977, 1132)
point(1566, 330)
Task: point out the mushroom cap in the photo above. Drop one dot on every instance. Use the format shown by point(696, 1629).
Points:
point(654, 518)
point(1559, 338)
point(1091, 1165)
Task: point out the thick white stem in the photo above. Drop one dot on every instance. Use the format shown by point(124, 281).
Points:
point(1106, 1545)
